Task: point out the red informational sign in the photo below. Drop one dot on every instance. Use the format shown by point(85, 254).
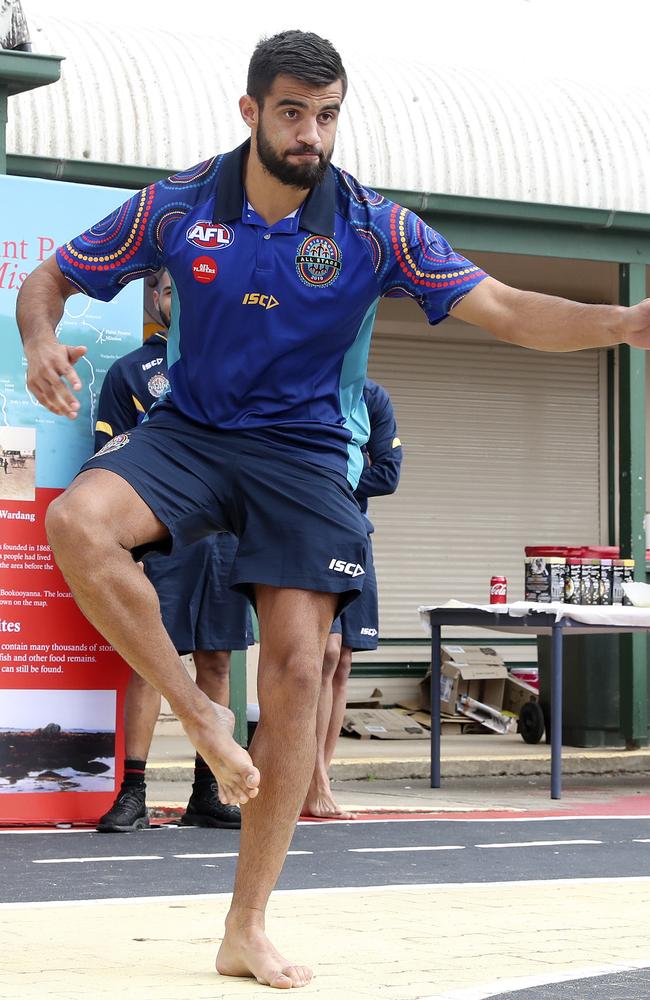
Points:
point(62, 685)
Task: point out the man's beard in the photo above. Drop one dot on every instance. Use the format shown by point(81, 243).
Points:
point(303, 176)
point(165, 315)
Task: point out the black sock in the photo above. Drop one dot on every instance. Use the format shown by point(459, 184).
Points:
point(134, 773)
point(203, 776)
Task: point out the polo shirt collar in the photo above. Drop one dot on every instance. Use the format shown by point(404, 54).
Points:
point(318, 210)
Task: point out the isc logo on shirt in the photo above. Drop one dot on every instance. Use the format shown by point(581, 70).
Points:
point(349, 568)
point(257, 299)
point(210, 236)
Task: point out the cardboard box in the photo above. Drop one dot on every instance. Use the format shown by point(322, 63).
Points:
point(382, 724)
point(488, 716)
point(516, 694)
point(478, 672)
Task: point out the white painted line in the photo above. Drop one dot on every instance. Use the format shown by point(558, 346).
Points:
point(51, 830)
point(645, 840)
point(391, 850)
point(81, 861)
point(540, 843)
point(224, 854)
point(516, 983)
point(344, 890)
point(232, 854)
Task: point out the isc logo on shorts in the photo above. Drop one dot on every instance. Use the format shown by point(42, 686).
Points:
point(368, 631)
point(209, 236)
point(349, 568)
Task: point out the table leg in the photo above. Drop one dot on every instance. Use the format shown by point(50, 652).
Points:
point(435, 705)
point(556, 711)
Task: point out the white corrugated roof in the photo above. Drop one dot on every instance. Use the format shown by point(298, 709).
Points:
point(157, 99)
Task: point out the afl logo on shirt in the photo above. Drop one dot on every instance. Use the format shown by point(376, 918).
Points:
point(158, 385)
point(318, 261)
point(210, 236)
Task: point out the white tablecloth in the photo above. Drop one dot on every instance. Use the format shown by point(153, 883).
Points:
point(603, 614)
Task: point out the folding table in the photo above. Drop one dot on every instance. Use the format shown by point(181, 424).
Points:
point(523, 617)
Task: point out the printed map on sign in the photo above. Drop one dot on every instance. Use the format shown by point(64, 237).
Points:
point(57, 212)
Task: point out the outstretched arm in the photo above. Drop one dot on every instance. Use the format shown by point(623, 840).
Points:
point(38, 310)
point(547, 323)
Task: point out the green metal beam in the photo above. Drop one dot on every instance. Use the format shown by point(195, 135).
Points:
point(117, 175)
point(21, 71)
point(475, 224)
point(633, 670)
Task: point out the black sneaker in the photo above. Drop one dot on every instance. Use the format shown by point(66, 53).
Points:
point(127, 813)
point(205, 809)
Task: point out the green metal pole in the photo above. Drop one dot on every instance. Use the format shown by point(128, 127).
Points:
point(4, 97)
point(633, 671)
point(238, 694)
point(611, 447)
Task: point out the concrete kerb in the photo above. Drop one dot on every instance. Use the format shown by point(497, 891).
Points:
point(587, 762)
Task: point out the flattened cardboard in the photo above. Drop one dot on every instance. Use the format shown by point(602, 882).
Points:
point(381, 724)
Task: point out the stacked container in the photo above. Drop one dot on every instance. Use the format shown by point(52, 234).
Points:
point(576, 574)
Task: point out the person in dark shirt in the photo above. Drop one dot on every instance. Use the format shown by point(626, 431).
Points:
point(201, 614)
point(357, 628)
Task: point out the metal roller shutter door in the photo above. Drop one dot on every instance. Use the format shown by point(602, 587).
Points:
point(502, 449)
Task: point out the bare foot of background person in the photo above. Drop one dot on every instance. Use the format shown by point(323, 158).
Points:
point(321, 803)
point(250, 953)
point(237, 777)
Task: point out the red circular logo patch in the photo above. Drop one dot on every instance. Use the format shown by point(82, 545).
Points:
point(204, 270)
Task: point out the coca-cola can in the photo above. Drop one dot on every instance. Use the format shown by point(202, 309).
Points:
point(498, 590)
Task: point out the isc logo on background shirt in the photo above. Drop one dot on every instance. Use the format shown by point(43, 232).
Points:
point(209, 235)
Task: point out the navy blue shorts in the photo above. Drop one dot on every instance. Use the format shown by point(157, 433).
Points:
point(358, 625)
point(298, 523)
point(197, 606)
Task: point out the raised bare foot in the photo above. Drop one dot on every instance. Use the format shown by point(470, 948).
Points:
point(251, 954)
point(322, 805)
point(237, 777)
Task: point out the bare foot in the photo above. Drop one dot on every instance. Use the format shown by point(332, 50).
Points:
point(250, 953)
point(322, 805)
point(237, 777)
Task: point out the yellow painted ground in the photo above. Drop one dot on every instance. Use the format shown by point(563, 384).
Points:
point(401, 944)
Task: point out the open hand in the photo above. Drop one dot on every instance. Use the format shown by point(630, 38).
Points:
point(51, 376)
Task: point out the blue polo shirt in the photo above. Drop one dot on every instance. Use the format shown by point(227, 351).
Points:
point(271, 325)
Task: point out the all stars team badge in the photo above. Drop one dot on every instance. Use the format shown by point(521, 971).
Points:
point(318, 261)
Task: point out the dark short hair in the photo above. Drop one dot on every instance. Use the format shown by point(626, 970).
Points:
point(155, 280)
point(300, 54)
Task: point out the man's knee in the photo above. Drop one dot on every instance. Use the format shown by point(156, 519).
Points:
point(213, 664)
point(297, 678)
point(67, 522)
point(343, 668)
point(332, 654)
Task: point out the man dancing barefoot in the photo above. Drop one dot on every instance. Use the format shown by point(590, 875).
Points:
point(278, 261)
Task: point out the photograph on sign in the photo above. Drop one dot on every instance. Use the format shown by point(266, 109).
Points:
point(17, 463)
point(57, 741)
